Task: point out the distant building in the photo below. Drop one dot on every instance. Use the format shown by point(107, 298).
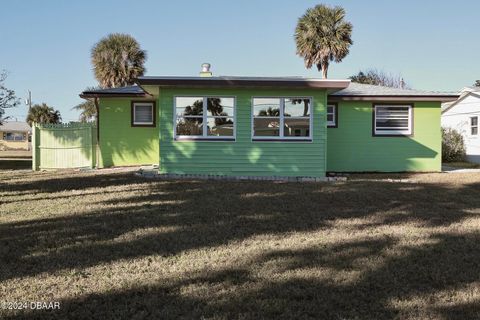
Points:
point(463, 115)
point(15, 135)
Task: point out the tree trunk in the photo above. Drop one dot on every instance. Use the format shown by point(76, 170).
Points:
point(323, 66)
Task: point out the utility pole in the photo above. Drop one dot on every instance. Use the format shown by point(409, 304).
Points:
point(28, 101)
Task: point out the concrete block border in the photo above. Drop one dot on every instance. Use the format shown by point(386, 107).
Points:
point(153, 174)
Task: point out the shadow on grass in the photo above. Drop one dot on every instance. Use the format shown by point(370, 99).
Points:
point(203, 214)
point(15, 164)
point(423, 271)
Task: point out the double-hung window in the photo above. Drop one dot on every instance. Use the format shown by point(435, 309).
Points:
point(204, 118)
point(474, 126)
point(143, 113)
point(332, 115)
point(282, 119)
point(392, 120)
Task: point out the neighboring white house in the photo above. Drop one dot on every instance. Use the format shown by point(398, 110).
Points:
point(463, 115)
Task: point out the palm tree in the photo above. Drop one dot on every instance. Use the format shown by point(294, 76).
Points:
point(322, 35)
point(88, 110)
point(117, 60)
point(42, 113)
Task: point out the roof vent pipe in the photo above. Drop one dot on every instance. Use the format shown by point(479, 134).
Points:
point(205, 70)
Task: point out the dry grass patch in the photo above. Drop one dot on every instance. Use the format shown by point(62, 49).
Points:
point(112, 245)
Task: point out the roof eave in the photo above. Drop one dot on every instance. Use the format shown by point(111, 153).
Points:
point(112, 95)
point(459, 99)
point(239, 83)
point(409, 98)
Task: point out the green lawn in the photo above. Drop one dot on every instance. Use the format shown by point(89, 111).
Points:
point(109, 245)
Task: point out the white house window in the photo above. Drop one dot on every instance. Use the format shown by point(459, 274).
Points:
point(474, 126)
point(143, 114)
point(204, 118)
point(14, 136)
point(282, 119)
point(392, 120)
point(332, 115)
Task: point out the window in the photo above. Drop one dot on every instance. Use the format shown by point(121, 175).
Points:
point(143, 114)
point(332, 115)
point(392, 120)
point(205, 118)
point(474, 126)
point(281, 118)
point(14, 136)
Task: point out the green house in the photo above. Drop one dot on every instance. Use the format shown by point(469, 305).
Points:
point(268, 126)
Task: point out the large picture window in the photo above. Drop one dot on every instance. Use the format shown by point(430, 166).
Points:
point(204, 118)
point(282, 119)
point(14, 136)
point(392, 120)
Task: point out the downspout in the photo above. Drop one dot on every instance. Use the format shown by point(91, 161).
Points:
point(97, 118)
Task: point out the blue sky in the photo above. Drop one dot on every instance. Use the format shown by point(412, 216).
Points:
point(45, 45)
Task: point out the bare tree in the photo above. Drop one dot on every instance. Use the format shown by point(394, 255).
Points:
point(379, 78)
point(8, 99)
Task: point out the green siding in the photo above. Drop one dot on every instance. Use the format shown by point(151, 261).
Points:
point(120, 143)
point(351, 146)
point(243, 156)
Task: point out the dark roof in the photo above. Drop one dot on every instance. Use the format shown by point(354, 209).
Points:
point(245, 82)
point(338, 89)
point(18, 126)
point(130, 91)
point(359, 91)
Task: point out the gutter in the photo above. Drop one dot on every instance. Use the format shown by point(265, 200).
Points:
point(432, 98)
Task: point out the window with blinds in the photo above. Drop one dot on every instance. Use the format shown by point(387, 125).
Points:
point(143, 113)
point(393, 120)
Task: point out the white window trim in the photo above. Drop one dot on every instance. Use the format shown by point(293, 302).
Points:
point(149, 103)
point(282, 120)
point(204, 136)
point(472, 126)
point(401, 131)
point(334, 122)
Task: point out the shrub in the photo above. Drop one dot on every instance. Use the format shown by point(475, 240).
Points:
point(453, 146)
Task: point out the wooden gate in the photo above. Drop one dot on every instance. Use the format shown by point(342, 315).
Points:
point(62, 146)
